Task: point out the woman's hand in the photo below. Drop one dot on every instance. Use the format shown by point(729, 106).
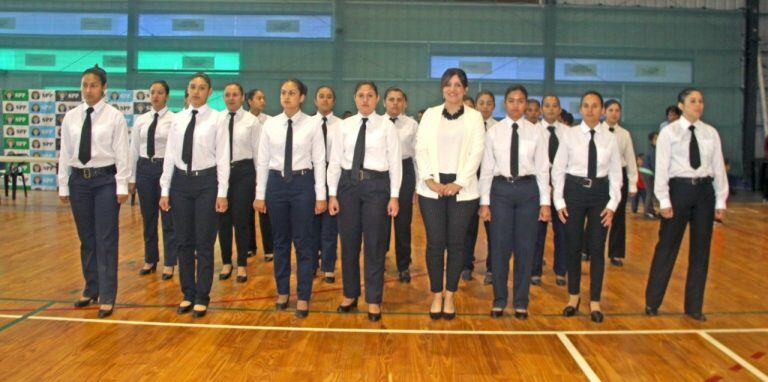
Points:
point(562, 214)
point(606, 217)
point(260, 206)
point(545, 214)
point(221, 205)
point(451, 189)
point(485, 213)
point(320, 206)
point(164, 203)
point(393, 207)
point(666, 213)
point(333, 206)
point(436, 187)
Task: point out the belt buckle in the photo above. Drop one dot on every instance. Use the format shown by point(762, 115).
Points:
point(87, 174)
point(587, 183)
point(361, 175)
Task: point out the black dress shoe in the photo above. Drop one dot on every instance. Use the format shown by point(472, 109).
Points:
point(435, 315)
point(466, 275)
point(184, 309)
point(104, 313)
point(82, 303)
point(199, 313)
point(405, 276)
point(146, 271)
point(225, 276)
point(302, 313)
point(497, 313)
point(373, 317)
point(570, 311)
point(616, 262)
point(560, 281)
point(697, 316)
point(241, 279)
point(329, 279)
point(268, 257)
point(449, 316)
point(584, 256)
point(250, 254)
point(651, 311)
point(596, 316)
point(347, 308)
point(167, 276)
point(521, 315)
point(488, 280)
point(536, 280)
point(282, 305)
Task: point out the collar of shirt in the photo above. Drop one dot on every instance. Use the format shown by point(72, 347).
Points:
point(97, 108)
point(297, 118)
point(359, 118)
point(238, 114)
point(545, 125)
point(585, 128)
point(684, 124)
point(329, 117)
point(509, 121)
point(398, 121)
point(200, 110)
point(160, 113)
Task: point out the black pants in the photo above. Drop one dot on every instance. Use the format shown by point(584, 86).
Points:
point(514, 211)
point(148, 186)
point(692, 205)
point(473, 230)
point(193, 205)
point(558, 231)
point(325, 236)
point(585, 204)
point(648, 204)
point(242, 183)
point(404, 217)
point(617, 236)
point(292, 210)
point(267, 242)
point(96, 211)
point(445, 222)
point(363, 218)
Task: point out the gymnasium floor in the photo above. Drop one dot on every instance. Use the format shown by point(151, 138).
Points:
point(42, 337)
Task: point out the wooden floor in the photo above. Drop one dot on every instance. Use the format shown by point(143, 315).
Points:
point(43, 338)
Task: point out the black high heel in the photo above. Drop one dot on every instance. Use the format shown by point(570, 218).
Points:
point(104, 313)
point(82, 303)
point(347, 308)
point(282, 305)
point(225, 276)
point(521, 315)
point(374, 317)
point(199, 313)
point(146, 271)
point(571, 310)
point(596, 316)
point(168, 276)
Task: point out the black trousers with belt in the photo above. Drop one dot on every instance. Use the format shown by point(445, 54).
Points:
point(148, 174)
point(242, 183)
point(363, 218)
point(193, 205)
point(445, 222)
point(96, 211)
point(694, 205)
point(585, 203)
point(404, 217)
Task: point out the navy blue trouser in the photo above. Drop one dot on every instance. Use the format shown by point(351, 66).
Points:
point(291, 207)
point(148, 187)
point(240, 195)
point(96, 211)
point(558, 229)
point(325, 233)
point(404, 218)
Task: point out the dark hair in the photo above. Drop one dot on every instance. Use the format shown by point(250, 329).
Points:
point(163, 84)
point(567, 117)
point(640, 155)
point(251, 93)
point(325, 87)
point(369, 83)
point(98, 72)
point(534, 100)
point(516, 88)
point(235, 84)
point(652, 134)
point(450, 72)
point(553, 96)
point(592, 92)
point(485, 92)
point(395, 89)
point(299, 84)
point(468, 98)
point(203, 76)
point(186, 93)
point(685, 93)
point(673, 108)
point(612, 102)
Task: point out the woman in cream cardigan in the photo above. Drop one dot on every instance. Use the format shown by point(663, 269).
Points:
point(449, 148)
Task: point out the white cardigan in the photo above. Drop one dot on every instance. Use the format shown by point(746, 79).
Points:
point(469, 157)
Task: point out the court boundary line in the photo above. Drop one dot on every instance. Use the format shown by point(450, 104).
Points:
point(731, 354)
point(576, 355)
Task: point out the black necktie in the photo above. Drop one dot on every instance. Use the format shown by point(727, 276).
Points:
point(288, 157)
point(393, 119)
point(231, 134)
point(513, 151)
point(553, 143)
point(611, 129)
point(189, 137)
point(325, 131)
point(84, 153)
point(359, 154)
point(151, 137)
point(592, 161)
point(693, 149)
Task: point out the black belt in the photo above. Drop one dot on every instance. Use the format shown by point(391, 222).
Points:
point(514, 179)
point(692, 181)
point(151, 160)
point(586, 182)
point(92, 172)
point(241, 162)
point(366, 174)
point(293, 173)
point(203, 172)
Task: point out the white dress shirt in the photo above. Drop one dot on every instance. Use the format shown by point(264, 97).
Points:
point(210, 147)
point(489, 122)
point(672, 159)
point(262, 118)
point(533, 157)
point(308, 150)
point(247, 129)
point(450, 138)
point(560, 129)
point(140, 134)
point(330, 125)
point(109, 144)
point(406, 131)
point(382, 150)
point(627, 153)
point(573, 157)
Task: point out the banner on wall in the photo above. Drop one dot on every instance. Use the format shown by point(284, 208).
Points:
point(31, 125)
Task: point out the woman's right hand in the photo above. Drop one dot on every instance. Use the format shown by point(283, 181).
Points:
point(666, 213)
point(562, 214)
point(333, 206)
point(485, 213)
point(260, 205)
point(164, 203)
point(64, 199)
point(439, 188)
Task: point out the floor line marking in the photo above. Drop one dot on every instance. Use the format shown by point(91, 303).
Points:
point(730, 353)
point(25, 316)
point(583, 364)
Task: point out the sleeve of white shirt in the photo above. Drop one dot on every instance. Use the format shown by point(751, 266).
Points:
point(468, 170)
point(262, 164)
point(615, 178)
point(721, 177)
point(486, 168)
point(541, 163)
point(255, 135)
point(65, 153)
point(222, 160)
point(558, 172)
point(168, 163)
point(629, 157)
point(121, 150)
point(134, 153)
point(395, 160)
point(318, 162)
point(334, 163)
point(661, 177)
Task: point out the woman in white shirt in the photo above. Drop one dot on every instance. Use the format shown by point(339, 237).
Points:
point(514, 196)
point(291, 186)
point(364, 178)
point(194, 188)
point(449, 148)
point(586, 176)
point(93, 179)
point(692, 187)
point(150, 133)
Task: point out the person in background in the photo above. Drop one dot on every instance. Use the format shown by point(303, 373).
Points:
point(533, 111)
point(468, 101)
point(256, 104)
point(640, 196)
point(647, 175)
point(672, 113)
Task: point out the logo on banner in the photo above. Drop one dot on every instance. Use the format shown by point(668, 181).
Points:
point(14, 95)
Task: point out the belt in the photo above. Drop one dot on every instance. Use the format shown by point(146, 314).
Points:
point(293, 173)
point(151, 160)
point(586, 182)
point(203, 172)
point(692, 181)
point(514, 179)
point(240, 162)
point(366, 174)
point(92, 172)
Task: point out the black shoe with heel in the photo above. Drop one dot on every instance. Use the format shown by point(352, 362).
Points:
point(282, 305)
point(570, 311)
point(347, 308)
point(596, 316)
point(104, 313)
point(82, 303)
point(168, 276)
point(146, 271)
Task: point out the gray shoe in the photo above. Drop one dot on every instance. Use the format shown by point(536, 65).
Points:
point(536, 280)
point(466, 275)
point(488, 280)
